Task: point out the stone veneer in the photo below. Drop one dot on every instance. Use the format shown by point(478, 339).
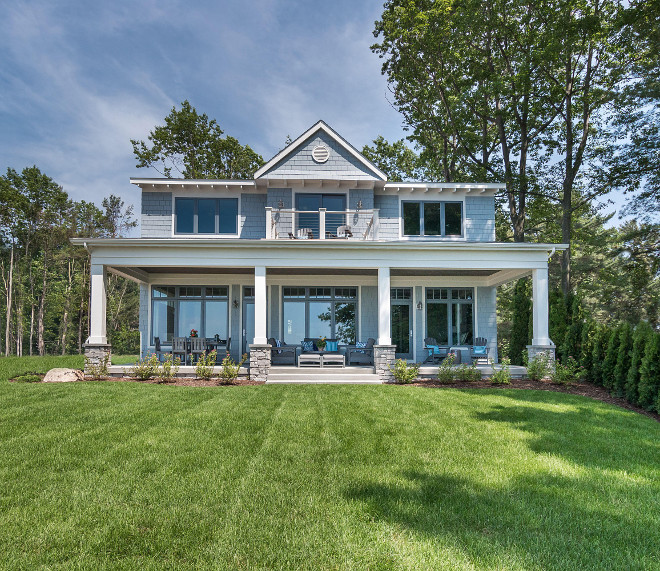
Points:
point(384, 358)
point(549, 350)
point(95, 353)
point(259, 362)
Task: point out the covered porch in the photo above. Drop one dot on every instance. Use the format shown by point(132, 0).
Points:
point(255, 290)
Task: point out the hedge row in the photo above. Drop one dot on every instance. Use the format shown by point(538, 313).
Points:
point(623, 359)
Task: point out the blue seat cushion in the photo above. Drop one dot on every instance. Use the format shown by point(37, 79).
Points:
point(480, 350)
point(331, 345)
point(307, 346)
point(433, 349)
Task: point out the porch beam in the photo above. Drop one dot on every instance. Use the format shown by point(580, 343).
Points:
point(132, 274)
point(260, 306)
point(540, 310)
point(384, 317)
point(97, 306)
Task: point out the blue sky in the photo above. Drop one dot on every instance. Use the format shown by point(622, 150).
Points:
point(78, 80)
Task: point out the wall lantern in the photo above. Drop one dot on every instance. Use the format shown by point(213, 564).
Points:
point(236, 303)
point(419, 305)
point(280, 205)
point(359, 205)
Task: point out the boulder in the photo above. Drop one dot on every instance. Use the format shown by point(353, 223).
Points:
point(63, 376)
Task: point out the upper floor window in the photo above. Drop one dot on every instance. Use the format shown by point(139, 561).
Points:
point(206, 216)
point(425, 218)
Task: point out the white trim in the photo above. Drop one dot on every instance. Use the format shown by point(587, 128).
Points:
point(414, 335)
point(320, 126)
point(358, 333)
point(172, 183)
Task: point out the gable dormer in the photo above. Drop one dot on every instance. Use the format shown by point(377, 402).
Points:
point(320, 153)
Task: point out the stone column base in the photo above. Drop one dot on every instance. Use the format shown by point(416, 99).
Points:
point(259, 362)
point(96, 353)
point(549, 350)
point(384, 358)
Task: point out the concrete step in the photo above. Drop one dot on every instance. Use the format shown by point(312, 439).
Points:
point(328, 375)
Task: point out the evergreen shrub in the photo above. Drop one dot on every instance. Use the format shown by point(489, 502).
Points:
point(642, 334)
point(611, 354)
point(649, 374)
point(623, 359)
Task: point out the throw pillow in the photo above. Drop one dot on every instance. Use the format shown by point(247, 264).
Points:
point(433, 349)
point(361, 345)
point(480, 350)
point(331, 345)
point(278, 343)
point(307, 346)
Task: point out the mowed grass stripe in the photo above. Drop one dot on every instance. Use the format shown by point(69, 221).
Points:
point(375, 477)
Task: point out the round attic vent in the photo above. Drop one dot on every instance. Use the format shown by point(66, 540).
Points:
point(320, 153)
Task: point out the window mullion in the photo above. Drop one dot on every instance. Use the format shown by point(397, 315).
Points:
point(442, 219)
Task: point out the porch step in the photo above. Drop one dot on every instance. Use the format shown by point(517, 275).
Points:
point(327, 375)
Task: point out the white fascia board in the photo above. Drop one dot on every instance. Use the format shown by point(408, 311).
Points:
point(320, 126)
point(315, 254)
point(181, 183)
point(488, 189)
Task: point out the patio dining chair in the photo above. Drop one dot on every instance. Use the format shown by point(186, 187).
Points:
point(480, 349)
point(198, 348)
point(159, 350)
point(180, 347)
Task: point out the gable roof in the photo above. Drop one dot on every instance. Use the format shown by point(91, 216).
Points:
point(321, 126)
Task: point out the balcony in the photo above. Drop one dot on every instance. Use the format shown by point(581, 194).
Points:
point(321, 224)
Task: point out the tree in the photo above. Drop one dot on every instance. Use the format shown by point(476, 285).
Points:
point(623, 359)
point(520, 333)
point(601, 341)
point(398, 161)
point(641, 336)
point(192, 146)
point(514, 92)
point(609, 364)
point(116, 219)
point(649, 374)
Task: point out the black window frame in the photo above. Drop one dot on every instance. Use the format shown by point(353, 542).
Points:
point(450, 296)
point(422, 204)
point(177, 297)
point(218, 207)
point(310, 295)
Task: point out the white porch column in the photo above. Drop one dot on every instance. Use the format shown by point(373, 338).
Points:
point(540, 310)
point(97, 306)
point(260, 307)
point(384, 318)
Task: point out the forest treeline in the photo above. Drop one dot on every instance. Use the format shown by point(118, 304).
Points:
point(45, 279)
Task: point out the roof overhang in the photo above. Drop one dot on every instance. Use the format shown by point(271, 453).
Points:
point(181, 183)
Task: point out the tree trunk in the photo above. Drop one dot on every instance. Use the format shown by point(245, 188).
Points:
point(42, 304)
point(67, 305)
point(9, 287)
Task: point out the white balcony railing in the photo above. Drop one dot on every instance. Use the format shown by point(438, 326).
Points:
point(321, 224)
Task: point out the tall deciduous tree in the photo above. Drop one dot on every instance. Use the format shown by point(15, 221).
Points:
point(190, 145)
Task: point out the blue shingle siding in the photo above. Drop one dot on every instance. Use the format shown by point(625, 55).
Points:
point(419, 324)
point(274, 303)
point(487, 318)
point(253, 216)
point(369, 315)
point(156, 215)
point(340, 164)
point(480, 218)
point(277, 194)
point(388, 216)
point(236, 325)
point(143, 319)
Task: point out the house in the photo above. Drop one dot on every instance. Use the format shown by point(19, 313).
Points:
point(319, 243)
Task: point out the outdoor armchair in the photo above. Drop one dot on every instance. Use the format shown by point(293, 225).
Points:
point(283, 355)
point(361, 355)
point(480, 349)
point(436, 352)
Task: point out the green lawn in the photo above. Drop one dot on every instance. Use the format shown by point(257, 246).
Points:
point(10, 367)
point(140, 476)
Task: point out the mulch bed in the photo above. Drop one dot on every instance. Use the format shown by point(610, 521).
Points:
point(582, 389)
point(188, 382)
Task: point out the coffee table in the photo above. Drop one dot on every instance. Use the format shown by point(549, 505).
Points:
point(333, 360)
point(310, 360)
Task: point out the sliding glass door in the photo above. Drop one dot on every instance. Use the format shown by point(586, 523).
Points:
point(335, 205)
point(401, 319)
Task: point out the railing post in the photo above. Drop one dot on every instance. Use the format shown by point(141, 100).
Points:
point(322, 223)
point(269, 222)
point(374, 229)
